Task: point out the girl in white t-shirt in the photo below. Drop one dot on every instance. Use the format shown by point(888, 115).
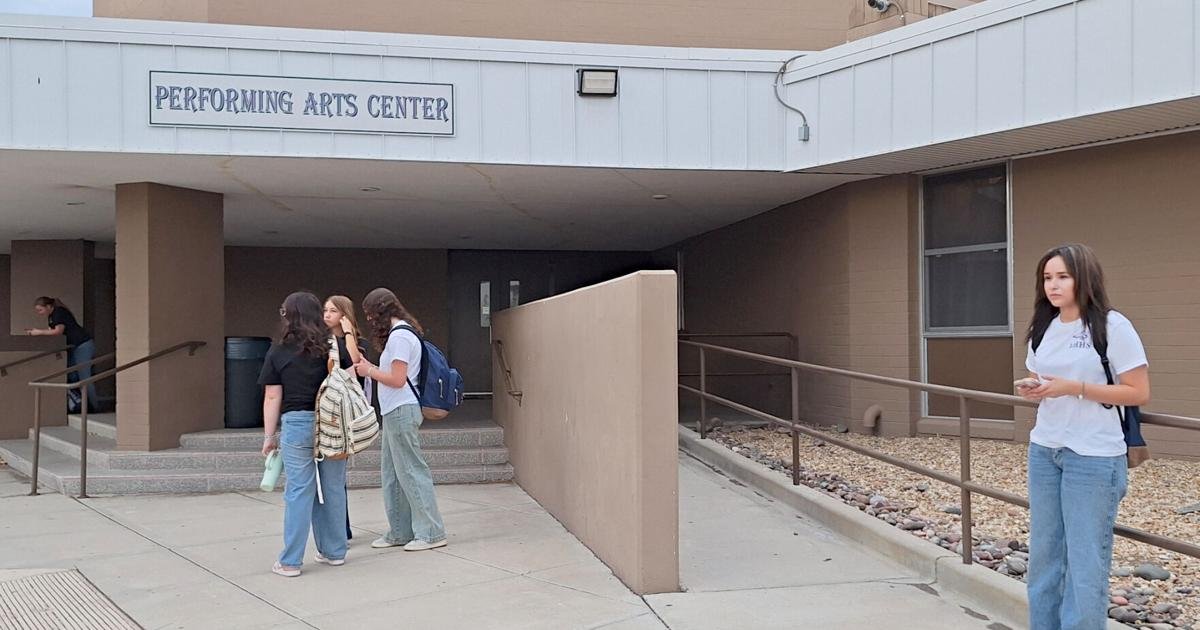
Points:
point(408, 497)
point(1077, 465)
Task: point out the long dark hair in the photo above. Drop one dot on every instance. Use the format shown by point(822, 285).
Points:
point(1084, 267)
point(381, 306)
point(303, 325)
point(53, 303)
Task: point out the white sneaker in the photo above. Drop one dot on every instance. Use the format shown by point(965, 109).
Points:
point(383, 543)
point(421, 545)
point(333, 563)
point(279, 569)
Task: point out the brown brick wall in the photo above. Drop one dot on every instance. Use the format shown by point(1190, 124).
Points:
point(833, 269)
point(55, 268)
point(879, 299)
point(257, 279)
point(763, 24)
point(1135, 203)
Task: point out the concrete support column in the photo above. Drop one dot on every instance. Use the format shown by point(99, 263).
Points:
point(170, 289)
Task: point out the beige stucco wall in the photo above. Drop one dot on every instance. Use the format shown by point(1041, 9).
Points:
point(16, 397)
point(594, 437)
point(764, 24)
point(257, 279)
point(833, 269)
point(169, 289)
point(1136, 204)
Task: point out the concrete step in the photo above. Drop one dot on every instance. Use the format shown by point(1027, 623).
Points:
point(101, 424)
point(102, 453)
point(488, 435)
point(66, 440)
point(59, 472)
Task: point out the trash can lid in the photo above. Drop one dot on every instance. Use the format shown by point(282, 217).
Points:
point(247, 348)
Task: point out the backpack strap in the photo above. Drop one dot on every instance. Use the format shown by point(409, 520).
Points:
point(421, 345)
point(1101, 347)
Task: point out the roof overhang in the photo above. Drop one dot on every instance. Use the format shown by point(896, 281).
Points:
point(1000, 79)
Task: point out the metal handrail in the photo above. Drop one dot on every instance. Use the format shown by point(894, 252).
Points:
point(964, 396)
point(793, 340)
point(77, 366)
point(512, 390)
point(39, 384)
point(715, 335)
point(57, 352)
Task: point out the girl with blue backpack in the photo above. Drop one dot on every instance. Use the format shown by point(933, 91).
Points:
point(1087, 370)
point(408, 497)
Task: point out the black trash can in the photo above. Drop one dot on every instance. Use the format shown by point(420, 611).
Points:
point(243, 395)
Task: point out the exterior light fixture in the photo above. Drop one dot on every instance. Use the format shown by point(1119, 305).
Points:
point(596, 82)
point(660, 197)
point(369, 189)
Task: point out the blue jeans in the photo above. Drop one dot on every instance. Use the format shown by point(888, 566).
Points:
point(408, 496)
point(1073, 502)
point(301, 509)
point(82, 353)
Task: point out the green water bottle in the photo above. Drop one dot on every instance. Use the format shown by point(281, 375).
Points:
point(273, 466)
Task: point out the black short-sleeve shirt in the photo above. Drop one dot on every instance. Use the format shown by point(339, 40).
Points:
point(300, 375)
point(74, 333)
point(344, 359)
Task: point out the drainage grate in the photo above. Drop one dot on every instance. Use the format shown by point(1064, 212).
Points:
point(61, 600)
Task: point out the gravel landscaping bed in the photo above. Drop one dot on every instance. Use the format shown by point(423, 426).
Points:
point(1151, 588)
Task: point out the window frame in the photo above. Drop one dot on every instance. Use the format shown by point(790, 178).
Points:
point(922, 279)
point(928, 331)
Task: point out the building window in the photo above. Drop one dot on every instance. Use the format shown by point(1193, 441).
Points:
point(965, 255)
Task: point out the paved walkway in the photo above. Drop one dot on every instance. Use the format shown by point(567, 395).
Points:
point(747, 562)
point(200, 561)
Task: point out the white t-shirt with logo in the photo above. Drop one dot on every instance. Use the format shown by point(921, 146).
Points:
point(402, 345)
point(1066, 351)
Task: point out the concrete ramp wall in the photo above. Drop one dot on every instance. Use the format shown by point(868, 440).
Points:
point(593, 438)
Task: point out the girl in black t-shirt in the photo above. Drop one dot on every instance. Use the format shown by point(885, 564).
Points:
point(292, 373)
point(344, 345)
point(61, 321)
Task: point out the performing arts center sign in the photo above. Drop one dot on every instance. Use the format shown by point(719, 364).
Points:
point(189, 99)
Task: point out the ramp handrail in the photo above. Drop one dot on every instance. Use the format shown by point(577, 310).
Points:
point(498, 348)
point(964, 396)
point(41, 383)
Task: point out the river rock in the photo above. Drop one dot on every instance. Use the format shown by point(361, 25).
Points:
point(1150, 571)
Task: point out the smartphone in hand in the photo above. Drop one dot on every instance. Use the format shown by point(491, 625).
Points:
point(1026, 383)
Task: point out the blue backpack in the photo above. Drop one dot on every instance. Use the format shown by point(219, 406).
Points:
point(439, 387)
